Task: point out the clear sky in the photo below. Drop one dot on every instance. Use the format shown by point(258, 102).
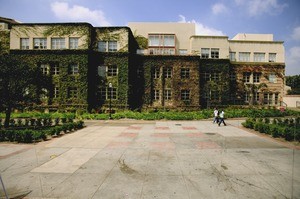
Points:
point(212, 17)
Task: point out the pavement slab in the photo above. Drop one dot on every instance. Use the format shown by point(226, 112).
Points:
point(130, 159)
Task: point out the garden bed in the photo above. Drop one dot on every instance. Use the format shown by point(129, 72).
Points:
point(287, 128)
point(34, 133)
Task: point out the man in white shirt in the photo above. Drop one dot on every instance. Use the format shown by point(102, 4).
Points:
point(222, 118)
point(216, 116)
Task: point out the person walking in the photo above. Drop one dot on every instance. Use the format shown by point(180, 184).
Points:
point(216, 116)
point(222, 115)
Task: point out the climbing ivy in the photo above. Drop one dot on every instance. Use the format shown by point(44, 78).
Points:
point(64, 79)
point(4, 42)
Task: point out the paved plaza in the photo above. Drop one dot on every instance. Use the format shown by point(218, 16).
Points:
point(128, 159)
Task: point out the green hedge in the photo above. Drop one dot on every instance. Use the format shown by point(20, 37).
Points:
point(33, 135)
point(191, 115)
point(287, 128)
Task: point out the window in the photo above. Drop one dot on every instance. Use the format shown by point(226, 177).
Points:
point(247, 97)
point(256, 97)
point(153, 40)
point(40, 43)
point(24, 43)
point(232, 56)
point(107, 46)
point(167, 72)
point(215, 76)
point(185, 94)
point(256, 77)
point(184, 73)
point(44, 93)
point(112, 70)
point(167, 94)
point(102, 46)
point(215, 53)
point(58, 43)
point(73, 92)
point(74, 69)
point(268, 98)
point(102, 93)
point(55, 69)
point(259, 57)
point(73, 42)
point(272, 78)
point(182, 52)
point(112, 46)
point(206, 76)
point(162, 40)
point(232, 76)
point(169, 40)
point(112, 92)
point(246, 77)
point(156, 94)
point(45, 69)
point(205, 53)
point(244, 56)
point(272, 57)
point(276, 98)
point(162, 51)
point(56, 92)
point(156, 73)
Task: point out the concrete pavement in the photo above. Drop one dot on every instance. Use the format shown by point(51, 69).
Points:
point(152, 159)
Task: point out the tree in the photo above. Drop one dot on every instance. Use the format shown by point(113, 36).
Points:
point(252, 89)
point(19, 84)
point(294, 83)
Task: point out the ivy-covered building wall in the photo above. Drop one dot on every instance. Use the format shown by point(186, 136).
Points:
point(92, 68)
point(170, 82)
point(66, 73)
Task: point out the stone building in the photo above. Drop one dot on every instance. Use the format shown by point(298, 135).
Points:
point(148, 65)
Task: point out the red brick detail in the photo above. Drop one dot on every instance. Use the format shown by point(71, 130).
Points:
point(162, 145)
point(195, 135)
point(162, 128)
point(129, 135)
point(207, 145)
point(160, 135)
point(135, 127)
point(114, 145)
point(189, 128)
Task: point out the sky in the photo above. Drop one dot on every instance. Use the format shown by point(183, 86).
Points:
point(212, 17)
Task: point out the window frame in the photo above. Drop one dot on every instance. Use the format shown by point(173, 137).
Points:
point(167, 72)
point(156, 96)
point(247, 77)
point(184, 73)
point(259, 57)
point(244, 56)
point(256, 77)
point(42, 43)
point(215, 53)
point(73, 92)
point(205, 53)
point(185, 95)
point(273, 57)
point(156, 74)
point(167, 94)
point(112, 71)
point(58, 43)
point(24, 43)
point(45, 68)
point(74, 68)
point(73, 42)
